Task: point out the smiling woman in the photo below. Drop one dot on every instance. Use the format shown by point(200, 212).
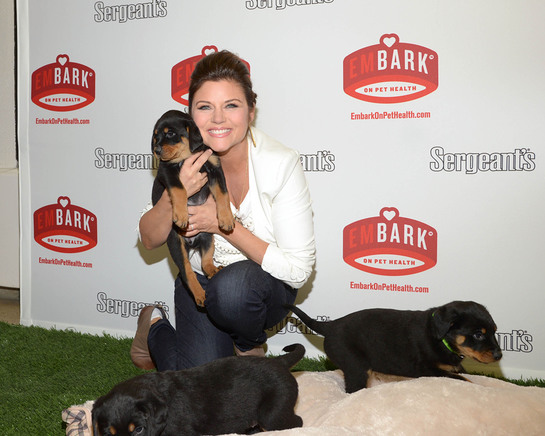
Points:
point(268, 255)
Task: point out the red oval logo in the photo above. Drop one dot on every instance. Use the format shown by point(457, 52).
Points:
point(63, 85)
point(391, 71)
point(390, 245)
point(64, 227)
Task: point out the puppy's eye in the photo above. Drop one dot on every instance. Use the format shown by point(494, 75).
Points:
point(479, 336)
point(138, 430)
point(170, 134)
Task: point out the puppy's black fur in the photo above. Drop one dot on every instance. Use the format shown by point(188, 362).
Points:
point(407, 343)
point(175, 138)
point(229, 395)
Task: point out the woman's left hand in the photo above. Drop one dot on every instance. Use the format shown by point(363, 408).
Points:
point(202, 218)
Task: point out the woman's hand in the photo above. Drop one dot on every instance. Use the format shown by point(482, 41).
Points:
point(190, 175)
point(202, 218)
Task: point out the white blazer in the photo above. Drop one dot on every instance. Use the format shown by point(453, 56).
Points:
point(277, 209)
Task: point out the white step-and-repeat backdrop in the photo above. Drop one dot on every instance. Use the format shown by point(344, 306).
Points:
point(419, 124)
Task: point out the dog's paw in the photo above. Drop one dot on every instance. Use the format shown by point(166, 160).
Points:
point(180, 218)
point(199, 299)
point(211, 271)
point(226, 222)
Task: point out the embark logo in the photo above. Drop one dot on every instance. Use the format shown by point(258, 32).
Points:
point(390, 245)
point(181, 74)
point(390, 72)
point(63, 86)
point(64, 227)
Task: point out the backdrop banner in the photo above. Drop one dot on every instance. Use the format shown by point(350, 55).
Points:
point(418, 129)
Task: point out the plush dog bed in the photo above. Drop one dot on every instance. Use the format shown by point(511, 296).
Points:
point(421, 406)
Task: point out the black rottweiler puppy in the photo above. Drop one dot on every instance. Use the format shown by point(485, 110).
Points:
point(175, 138)
point(229, 395)
point(407, 343)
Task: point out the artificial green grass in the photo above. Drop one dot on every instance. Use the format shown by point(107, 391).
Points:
point(45, 371)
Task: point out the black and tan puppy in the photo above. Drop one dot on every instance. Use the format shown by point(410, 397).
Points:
point(407, 343)
point(230, 395)
point(175, 138)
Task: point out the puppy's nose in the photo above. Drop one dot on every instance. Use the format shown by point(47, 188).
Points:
point(157, 149)
point(497, 354)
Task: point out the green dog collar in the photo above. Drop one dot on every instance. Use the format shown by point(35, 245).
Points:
point(445, 342)
point(448, 346)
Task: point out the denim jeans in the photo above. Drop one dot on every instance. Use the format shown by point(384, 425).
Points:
point(242, 301)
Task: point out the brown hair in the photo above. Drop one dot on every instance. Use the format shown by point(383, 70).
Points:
point(222, 65)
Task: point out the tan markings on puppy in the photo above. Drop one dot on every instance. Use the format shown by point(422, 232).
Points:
point(479, 356)
point(178, 198)
point(112, 430)
point(192, 282)
point(131, 427)
point(226, 221)
point(460, 339)
point(214, 160)
point(175, 153)
point(484, 331)
point(207, 262)
point(445, 367)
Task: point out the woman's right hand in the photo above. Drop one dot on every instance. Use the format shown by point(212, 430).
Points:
point(190, 176)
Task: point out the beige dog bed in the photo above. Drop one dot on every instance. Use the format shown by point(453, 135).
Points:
point(424, 406)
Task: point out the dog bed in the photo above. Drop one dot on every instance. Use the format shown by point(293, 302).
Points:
point(394, 406)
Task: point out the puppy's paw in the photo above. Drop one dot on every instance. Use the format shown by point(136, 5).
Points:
point(211, 271)
point(180, 217)
point(226, 221)
point(199, 298)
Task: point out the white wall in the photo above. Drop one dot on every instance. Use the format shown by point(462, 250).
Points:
point(9, 174)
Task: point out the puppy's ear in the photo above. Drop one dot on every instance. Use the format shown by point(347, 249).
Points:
point(442, 319)
point(155, 409)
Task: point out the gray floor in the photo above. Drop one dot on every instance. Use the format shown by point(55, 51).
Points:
point(9, 305)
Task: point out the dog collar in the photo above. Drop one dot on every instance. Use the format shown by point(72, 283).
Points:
point(447, 345)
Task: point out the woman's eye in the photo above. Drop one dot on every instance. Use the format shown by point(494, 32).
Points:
point(203, 107)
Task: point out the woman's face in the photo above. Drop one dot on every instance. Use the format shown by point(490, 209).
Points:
point(222, 115)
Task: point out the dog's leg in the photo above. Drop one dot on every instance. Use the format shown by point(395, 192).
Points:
point(207, 256)
point(351, 362)
point(276, 411)
point(226, 220)
point(178, 198)
point(355, 378)
point(279, 415)
point(188, 275)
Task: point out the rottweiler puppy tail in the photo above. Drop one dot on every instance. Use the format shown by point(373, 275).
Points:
point(295, 353)
point(319, 327)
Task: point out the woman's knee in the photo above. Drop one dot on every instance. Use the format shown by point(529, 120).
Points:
point(236, 290)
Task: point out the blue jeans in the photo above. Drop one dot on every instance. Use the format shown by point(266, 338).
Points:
point(242, 301)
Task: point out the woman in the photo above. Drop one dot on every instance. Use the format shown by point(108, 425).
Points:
point(265, 259)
